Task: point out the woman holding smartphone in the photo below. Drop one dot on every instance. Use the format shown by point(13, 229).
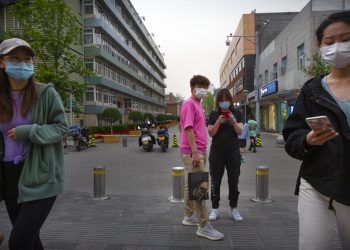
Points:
point(225, 124)
point(324, 179)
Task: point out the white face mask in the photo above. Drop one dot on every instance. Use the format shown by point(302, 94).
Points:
point(337, 55)
point(200, 92)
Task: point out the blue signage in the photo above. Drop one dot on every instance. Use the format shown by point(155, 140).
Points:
point(269, 88)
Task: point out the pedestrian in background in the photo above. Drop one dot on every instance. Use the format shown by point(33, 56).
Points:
point(242, 138)
point(193, 149)
point(253, 126)
point(225, 124)
point(324, 178)
point(33, 123)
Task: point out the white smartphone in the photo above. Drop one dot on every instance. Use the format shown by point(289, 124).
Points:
point(319, 122)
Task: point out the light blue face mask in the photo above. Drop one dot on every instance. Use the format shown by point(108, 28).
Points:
point(19, 71)
point(224, 105)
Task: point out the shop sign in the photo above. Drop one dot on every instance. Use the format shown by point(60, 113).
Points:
point(269, 88)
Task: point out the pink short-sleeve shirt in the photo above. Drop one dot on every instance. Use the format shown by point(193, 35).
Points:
point(192, 115)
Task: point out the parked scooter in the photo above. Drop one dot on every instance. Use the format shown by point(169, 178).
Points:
point(146, 139)
point(163, 138)
point(80, 140)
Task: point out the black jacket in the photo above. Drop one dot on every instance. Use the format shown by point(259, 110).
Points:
point(326, 167)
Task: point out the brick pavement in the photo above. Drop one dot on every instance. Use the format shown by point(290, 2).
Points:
point(138, 214)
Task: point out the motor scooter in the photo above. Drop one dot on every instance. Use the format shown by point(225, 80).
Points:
point(80, 141)
point(146, 139)
point(163, 138)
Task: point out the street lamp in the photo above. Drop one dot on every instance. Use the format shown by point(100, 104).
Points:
point(228, 42)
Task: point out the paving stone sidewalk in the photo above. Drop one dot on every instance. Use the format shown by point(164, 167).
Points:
point(122, 222)
point(139, 215)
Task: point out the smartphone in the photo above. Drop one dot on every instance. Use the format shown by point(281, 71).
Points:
point(319, 122)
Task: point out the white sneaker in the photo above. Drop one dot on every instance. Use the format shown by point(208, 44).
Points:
point(236, 215)
point(209, 232)
point(214, 214)
point(190, 220)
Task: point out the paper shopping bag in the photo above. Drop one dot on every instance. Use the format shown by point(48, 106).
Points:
point(198, 183)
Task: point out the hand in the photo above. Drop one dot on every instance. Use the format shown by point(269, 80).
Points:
point(232, 119)
point(320, 136)
point(221, 119)
point(11, 133)
point(195, 159)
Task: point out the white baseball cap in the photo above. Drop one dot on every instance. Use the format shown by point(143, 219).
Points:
point(10, 44)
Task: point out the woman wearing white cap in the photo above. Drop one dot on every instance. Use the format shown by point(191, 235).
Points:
point(32, 122)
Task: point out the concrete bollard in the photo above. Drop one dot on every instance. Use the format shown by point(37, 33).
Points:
point(280, 140)
point(125, 141)
point(178, 184)
point(262, 185)
point(100, 183)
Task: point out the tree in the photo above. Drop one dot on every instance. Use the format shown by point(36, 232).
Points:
point(317, 66)
point(179, 98)
point(149, 116)
point(51, 29)
point(160, 117)
point(208, 103)
point(135, 116)
point(111, 115)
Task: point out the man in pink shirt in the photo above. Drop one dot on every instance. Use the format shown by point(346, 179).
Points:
point(193, 150)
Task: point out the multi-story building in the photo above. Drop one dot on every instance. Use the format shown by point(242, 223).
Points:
point(237, 68)
point(128, 66)
point(8, 22)
point(282, 62)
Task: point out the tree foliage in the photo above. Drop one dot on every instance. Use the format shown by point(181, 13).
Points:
point(111, 115)
point(161, 117)
point(208, 103)
point(179, 98)
point(149, 116)
point(135, 116)
point(52, 30)
point(317, 66)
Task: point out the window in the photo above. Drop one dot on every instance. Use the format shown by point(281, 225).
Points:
point(274, 73)
point(301, 57)
point(88, 7)
point(284, 66)
point(88, 36)
point(16, 24)
point(90, 64)
point(266, 76)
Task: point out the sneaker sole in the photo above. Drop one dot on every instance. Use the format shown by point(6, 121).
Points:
point(186, 223)
point(212, 219)
point(240, 220)
point(207, 236)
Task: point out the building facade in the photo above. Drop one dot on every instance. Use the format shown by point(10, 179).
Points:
point(282, 63)
point(128, 66)
point(237, 71)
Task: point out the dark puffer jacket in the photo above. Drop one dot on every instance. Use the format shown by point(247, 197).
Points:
point(326, 167)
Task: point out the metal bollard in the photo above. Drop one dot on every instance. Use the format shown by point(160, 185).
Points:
point(178, 184)
point(100, 183)
point(262, 185)
point(125, 141)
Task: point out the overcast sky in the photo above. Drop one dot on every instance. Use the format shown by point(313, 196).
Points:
point(192, 33)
